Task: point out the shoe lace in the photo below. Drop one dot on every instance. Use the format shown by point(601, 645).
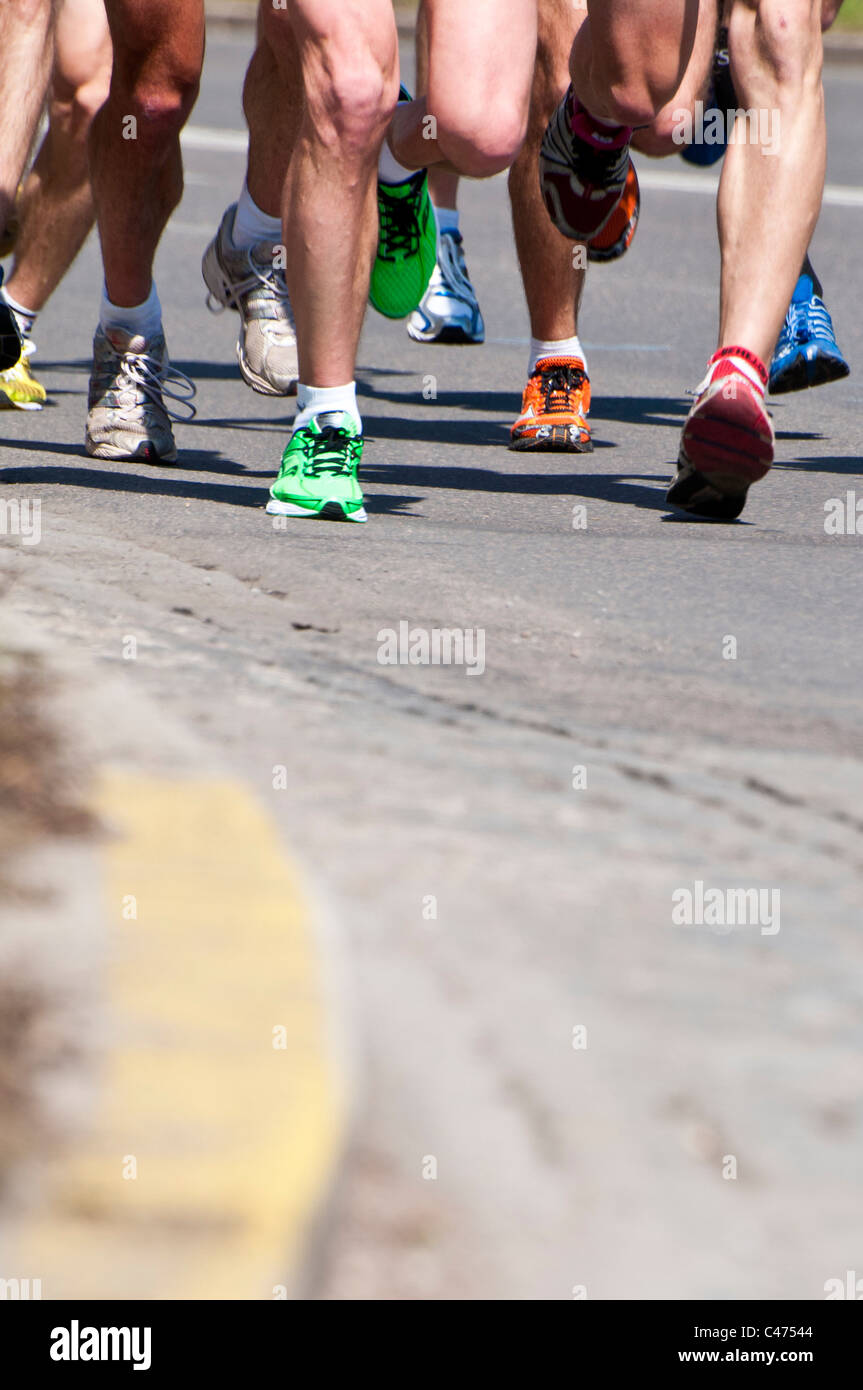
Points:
point(399, 222)
point(332, 451)
point(808, 319)
point(452, 266)
point(561, 388)
point(147, 374)
point(262, 275)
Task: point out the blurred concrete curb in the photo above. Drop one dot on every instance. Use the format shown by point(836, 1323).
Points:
point(217, 1050)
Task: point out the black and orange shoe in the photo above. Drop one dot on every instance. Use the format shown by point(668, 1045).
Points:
point(583, 167)
point(11, 344)
point(616, 236)
point(554, 408)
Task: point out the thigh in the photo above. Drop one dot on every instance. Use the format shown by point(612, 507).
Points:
point(482, 51)
point(336, 25)
point(348, 53)
point(83, 45)
point(656, 36)
point(159, 33)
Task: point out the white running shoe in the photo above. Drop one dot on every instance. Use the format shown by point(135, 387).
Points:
point(246, 279)
point(128, 418)
point(448, 311)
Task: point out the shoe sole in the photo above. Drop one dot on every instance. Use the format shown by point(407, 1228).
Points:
point(219, 287)
point(330, 511)
point(145, 453)
point(7, 403)
point(450, 335)
point(803, 373)
point(10, 339)
point(557, 441)
point(719, 460)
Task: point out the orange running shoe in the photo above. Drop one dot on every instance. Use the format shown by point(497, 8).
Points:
point(554, 408)
point(616, 236)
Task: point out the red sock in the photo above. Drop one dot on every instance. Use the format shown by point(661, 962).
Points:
point(738, 359)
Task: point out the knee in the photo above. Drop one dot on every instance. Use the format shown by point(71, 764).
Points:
point(780, 58)
point(74, 105)
point(156, 81)
point(631, 101)
point(351, 92)
point(90, 97)
point(483, 140)
point(658, 139)
point(160, 103)
point(637, 81)
point(71, 113)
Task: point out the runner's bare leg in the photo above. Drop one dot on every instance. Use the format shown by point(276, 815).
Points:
point(553, 278)
point(479, 111)
point(137, 170)
point(26, 55)
point(630, 56)
point(55, 208)
point(348, 54)
point(776, 54)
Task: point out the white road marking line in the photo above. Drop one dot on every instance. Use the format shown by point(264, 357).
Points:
point(191, 228)
point(204, 137)
point(837, 195)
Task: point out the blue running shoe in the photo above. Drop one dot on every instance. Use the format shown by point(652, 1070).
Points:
point(449, 311)
point(721, 98)
point(807, 353)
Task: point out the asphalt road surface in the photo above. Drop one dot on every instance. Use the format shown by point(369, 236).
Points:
point(614, 1103)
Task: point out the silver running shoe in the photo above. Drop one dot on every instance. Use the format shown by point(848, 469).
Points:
point(128, 418)
point(246, 280)
point(448, 311)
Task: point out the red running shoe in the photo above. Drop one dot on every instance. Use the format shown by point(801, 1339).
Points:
point(727, 441)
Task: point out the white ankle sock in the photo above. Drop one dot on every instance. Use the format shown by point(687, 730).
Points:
point(389, 169)
point(25, 318)
point(447, 219)
point(563, 347)
point(318, 400)
point(251, 225)
point(145, 318)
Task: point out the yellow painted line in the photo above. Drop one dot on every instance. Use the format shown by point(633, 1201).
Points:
point(211, 947)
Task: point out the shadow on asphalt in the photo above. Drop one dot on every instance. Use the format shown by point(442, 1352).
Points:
point(849, 464)
point(606, 487)
point(190, 460)
point(633, 410)
point(157, 484)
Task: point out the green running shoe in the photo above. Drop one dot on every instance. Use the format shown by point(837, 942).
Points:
point(318, 475)
point(407, 244)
